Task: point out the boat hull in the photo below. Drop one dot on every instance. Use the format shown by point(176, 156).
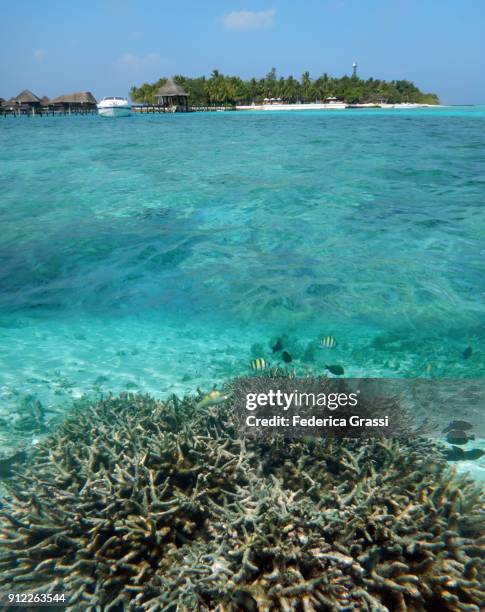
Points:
point(115, 111)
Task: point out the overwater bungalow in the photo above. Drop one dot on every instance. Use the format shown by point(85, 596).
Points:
point(26, 101)
point(8, 104)
point(173, 97)
point(76, 102)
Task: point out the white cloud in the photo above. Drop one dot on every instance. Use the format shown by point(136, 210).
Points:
point(39, 55)
point(249, 20)
point(137, 62)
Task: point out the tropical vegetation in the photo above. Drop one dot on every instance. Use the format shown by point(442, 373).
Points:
point(221, 89)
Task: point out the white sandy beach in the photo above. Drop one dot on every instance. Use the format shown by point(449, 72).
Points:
point(331, 106)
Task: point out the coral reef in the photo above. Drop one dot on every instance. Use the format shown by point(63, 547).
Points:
point(376, 398)
point(135, 504)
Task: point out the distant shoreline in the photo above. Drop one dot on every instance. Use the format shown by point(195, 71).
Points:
point(332, 106)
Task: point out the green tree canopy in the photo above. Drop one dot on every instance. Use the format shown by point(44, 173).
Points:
point(221, 89)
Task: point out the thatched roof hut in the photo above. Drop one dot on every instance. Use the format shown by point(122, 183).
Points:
point(26, 100)
point(171, 89)
point(44, 101)
point(27, 97)
point(172, 94)
point(84, 99)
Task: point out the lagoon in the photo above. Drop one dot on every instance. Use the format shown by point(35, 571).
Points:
point(163, 253)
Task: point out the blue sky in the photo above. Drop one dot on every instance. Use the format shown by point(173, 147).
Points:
point(105, 46)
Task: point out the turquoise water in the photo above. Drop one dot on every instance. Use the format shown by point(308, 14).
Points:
point(162, 253)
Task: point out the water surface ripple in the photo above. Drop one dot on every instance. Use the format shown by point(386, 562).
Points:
point(186, 242)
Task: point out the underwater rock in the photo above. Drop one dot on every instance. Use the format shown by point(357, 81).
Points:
point(145, 505)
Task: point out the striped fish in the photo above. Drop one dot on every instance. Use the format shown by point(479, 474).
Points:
point(328, 342)
point(259, 364)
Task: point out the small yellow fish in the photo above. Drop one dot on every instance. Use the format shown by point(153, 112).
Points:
point(328, 342)
point(429, 369)
point(212, 399)
point(259, 364)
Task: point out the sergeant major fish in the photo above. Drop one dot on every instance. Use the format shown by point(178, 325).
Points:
point(328, 342)
point(259, 364)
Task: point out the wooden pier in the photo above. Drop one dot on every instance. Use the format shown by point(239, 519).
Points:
point(40, 112)
point(212, 109)
point(160, 108)
point(137, 108)
point(152, 108)
point(170, 98)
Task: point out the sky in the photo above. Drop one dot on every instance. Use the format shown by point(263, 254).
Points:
point(106, 46)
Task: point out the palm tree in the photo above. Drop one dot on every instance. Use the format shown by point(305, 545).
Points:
point(306, 84)
point(292, 89)
point(227, 89)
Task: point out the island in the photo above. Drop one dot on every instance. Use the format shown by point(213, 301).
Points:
point(273, 92)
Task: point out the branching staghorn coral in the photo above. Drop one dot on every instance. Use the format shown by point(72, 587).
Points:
point(136, 504)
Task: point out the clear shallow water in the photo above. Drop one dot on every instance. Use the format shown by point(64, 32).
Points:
point(162, 253)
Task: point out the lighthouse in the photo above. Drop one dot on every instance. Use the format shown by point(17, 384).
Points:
point(354, 69)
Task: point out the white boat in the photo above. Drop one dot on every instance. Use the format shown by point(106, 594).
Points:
point(114, 107)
